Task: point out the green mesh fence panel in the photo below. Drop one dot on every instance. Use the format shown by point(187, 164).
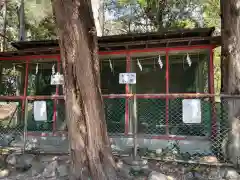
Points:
point(176, 125)
point(61, 123)
point(151, 116)
point(115, 114)
point(11, 119)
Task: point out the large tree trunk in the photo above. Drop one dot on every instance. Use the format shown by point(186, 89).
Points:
point(22, 21)
point(2, 2)
point(89, 143)
point(97, 10)
point(4, 26)
point(231, 73)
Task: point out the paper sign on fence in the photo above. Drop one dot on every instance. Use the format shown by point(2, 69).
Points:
point(40, 110)
point(127, 78)
point(57, 79)
point(191, 109)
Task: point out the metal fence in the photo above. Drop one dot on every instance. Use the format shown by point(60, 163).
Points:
point(11, 124)
point(161, 122)
point(157, 125)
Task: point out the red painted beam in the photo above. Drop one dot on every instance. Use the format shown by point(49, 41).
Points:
point(132, 51)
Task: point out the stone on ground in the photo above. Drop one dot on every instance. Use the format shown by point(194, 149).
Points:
point(21, 162)
point(4, 173)
point(63, 170)
point(231, 174)
point(51, 170)
point(157, 176)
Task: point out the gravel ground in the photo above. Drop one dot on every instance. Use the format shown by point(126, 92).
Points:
point(49, 168)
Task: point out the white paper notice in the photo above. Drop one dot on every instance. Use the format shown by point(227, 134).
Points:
point(127, 78)
point(40, 110)
point(57, 79)
point(191, 109)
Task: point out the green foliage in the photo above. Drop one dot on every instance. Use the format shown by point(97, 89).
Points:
point(125, 16)
point(211, 9)
point(44, 30)
point(187, 23)
point(212, 19)
point(39, 20)
point(162, 14)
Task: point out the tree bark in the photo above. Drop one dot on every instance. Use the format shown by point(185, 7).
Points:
point(89, 143)
point(22, 32)
point(231, 73)
point(2, 2)
point(97, 10)
point(4, 47)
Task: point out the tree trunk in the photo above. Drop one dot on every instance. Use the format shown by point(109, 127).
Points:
point(97, 10)
point(231, 73)
point(22, 22)
point(2, 2)
point(224, 65)
point(4, 26)
point(89, 143)
point(3, 42)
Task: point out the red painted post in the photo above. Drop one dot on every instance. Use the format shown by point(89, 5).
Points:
point(128, 69)
point(25, 90)
point(167, 92)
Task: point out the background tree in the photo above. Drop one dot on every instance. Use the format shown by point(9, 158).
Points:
point(211, 17)
point(231, 74)
point(89, 144)
point(152, 15)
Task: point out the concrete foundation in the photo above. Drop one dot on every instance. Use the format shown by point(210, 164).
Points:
point(47, 142)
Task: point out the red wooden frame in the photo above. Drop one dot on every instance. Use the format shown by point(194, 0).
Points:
point(167, 92)
point(128, 94)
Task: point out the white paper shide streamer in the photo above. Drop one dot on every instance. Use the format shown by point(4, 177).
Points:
point(53, 69)
point(189, 60)
point(14, 69)
point(36, 69)
point(110, 65)
point(139, 64)
point(160, 62)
